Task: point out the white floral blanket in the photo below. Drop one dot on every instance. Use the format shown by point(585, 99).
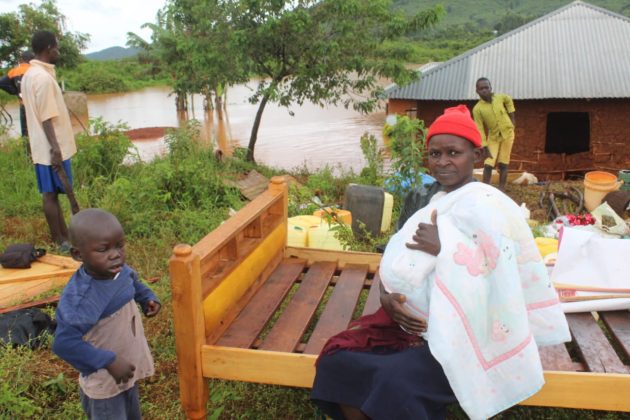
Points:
point(487, 297)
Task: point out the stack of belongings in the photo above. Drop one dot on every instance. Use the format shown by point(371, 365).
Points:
point(591, 271)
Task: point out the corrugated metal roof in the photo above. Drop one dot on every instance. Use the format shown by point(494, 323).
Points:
point(577, 51)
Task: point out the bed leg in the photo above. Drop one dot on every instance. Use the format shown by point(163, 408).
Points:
point(189, 330)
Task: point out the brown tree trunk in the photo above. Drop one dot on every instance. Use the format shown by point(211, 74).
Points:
point(180, 102)
point(254, 135)
point(207, 101)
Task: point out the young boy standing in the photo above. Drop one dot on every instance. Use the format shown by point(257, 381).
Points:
point(99, 328)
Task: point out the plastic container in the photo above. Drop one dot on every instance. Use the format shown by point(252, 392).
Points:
point(546, 246)
point(366, 203)
point(624, 175)
point(388, 206)
point(596, 185)
point(343, 216)
point(322, 237)
point(299, 228)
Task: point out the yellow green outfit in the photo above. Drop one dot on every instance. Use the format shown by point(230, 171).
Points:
point(496, 128)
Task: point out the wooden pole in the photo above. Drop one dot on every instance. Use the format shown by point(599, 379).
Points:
point(189, 330)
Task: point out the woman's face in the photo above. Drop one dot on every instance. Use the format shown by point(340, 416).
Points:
point(451, 160)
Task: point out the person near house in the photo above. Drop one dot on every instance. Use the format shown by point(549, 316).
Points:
point(494, 115)
point(50, 131)
point(99, 327)
point(466, 301)
point(11, 83)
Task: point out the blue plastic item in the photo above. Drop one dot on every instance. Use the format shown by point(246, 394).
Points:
point(390, 183)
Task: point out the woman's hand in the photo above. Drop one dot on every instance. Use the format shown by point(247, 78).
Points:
point(393, 303)
point(426, 237)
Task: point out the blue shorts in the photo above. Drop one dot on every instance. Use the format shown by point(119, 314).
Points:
point(48, 180)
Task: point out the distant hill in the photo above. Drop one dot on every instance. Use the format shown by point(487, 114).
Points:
point(485, 14)
point(112, 53)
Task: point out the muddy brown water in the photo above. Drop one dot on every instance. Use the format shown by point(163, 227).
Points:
point(313, 137)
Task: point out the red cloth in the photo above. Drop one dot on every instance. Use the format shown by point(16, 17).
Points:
point(456, 121)
point(376, 333)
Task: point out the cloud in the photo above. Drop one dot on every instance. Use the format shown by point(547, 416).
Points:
point(107, 21)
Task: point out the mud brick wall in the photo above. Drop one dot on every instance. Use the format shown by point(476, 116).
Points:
point(609, 134)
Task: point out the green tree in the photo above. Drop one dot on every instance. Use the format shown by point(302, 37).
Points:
point(164, 49)
point(328, 51)
point(193, 40)
point(17, 28)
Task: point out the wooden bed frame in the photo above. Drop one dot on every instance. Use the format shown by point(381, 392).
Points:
point(249, 308)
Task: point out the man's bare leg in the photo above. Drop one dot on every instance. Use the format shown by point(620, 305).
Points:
point(54, 217)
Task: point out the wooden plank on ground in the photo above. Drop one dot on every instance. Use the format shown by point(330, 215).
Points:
point(339, 309)
point(286, 333)
point(36, 304)
point(373, 301)
point(255, 315)
point(252, 185)
point(598, 353)
point(618, 322)
point(556, 358)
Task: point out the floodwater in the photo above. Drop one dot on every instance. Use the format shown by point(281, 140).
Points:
point(313, 137)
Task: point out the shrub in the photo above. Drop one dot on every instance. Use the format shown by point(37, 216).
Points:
point(406, 145)
point(101, 154)
point(372, 174)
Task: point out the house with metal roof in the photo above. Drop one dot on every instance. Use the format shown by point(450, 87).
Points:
point(569, 75)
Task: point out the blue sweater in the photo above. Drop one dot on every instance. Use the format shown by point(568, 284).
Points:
point(83, 303)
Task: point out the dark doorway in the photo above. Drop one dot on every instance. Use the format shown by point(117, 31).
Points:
point(568, 132)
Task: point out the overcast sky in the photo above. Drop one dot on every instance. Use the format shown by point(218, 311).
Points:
point(107, 21)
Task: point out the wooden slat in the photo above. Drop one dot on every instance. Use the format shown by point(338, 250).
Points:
point(618, 322)
point(255, 315)
point(594, 391)
point(16, 293)
point(288, 330)
point(36, 304)
point(59, 261)
point(260, 366)
point(341, 258)
point(556, 358)
point(597, 391)
point(339, 309)
point(598, 354)
point(373, 301)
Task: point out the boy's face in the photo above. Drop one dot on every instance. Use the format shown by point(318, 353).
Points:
point(102, 251)
point(484, 90)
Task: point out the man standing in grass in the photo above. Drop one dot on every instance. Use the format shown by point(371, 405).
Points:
point(494, 116)
point(50, 131)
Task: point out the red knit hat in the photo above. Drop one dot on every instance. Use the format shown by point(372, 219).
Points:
point(456, 121)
